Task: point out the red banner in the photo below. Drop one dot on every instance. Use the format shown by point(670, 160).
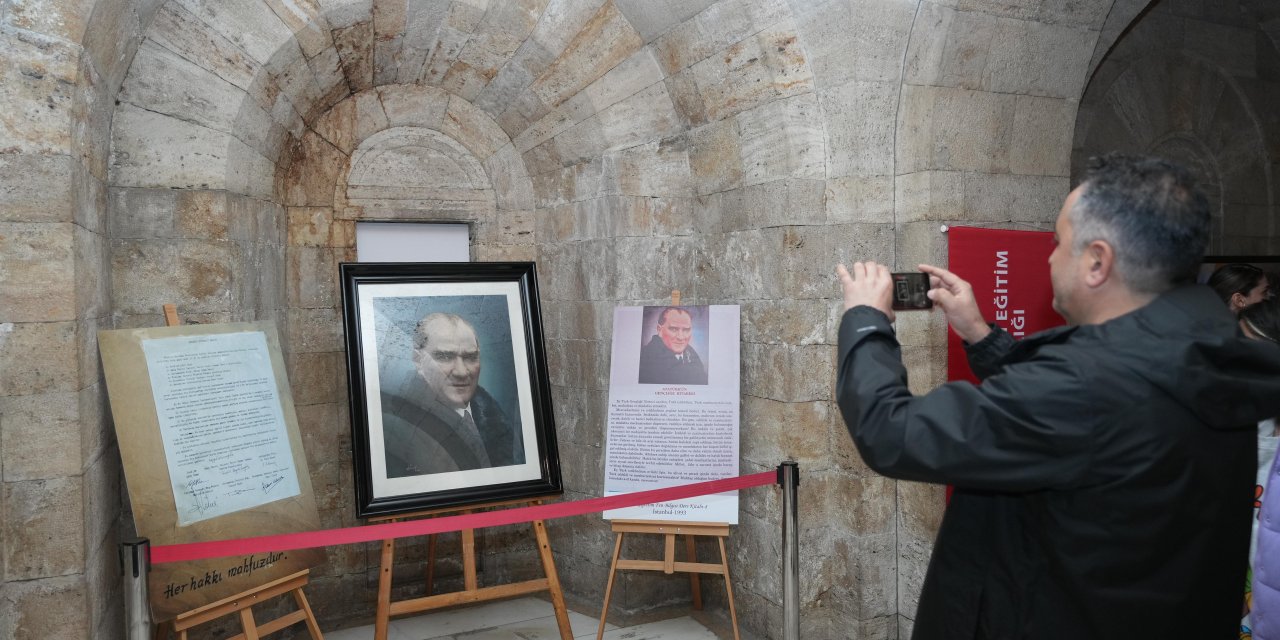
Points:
point(1009, 271)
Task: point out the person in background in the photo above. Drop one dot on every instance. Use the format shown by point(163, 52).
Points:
point(1261, 322)
point(1103, 470)
point(1240, 285)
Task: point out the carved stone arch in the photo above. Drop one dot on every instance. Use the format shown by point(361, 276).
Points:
point(418, 169)
point(1187, 109)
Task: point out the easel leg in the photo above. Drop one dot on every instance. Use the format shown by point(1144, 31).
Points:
point(728, 588)
point(469, 559)
point(608, 590)
point(247, 622)
point(312, 627)
point(431, 562)
point(695, 584)
point(553, 580)
point(382, 619)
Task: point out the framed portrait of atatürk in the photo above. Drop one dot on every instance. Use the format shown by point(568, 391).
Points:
point(450, 400)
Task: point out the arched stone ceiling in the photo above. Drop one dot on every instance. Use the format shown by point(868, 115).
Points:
point(219, 91)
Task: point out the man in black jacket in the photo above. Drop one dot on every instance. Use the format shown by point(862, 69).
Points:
point(1103, 470)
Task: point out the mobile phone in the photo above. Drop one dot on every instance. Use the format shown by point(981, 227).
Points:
point(910, 291)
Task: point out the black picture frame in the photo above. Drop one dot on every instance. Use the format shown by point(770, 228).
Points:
point(411, 449)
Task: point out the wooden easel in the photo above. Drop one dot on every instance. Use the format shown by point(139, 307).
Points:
point(668, 563)
point(669, 529)
point(241, 604)
point(471, 591)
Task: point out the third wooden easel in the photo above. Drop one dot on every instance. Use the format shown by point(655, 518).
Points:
point(669, 529)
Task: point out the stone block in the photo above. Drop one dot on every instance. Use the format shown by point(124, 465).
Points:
point(155, 150)
point(814, 252)
point(312, 278)
point(416, 106)
point(102, 488)
point(860, 128)
point(603, 42)
point(318, 377)
point(48, 608)
point(950, 48)
point(355, 47)
point(36, 188)
point(338, 125)
point(1042, 133)
point(1038, 59)
point(91, 111)
point(41, 433)
point(511, 185)
point(871, 33)
point(315, 330)
point(37, 84)
point(657, 169)
point(782, 139)
point(254, 28)
point(166, 213)
point(473, 128)
point(38, 357)
point(640, 118)
point(37, 271)
point(194, 274)
point(313, 173)
point(860, 199)
point(921, 243)
point(43, 528)
point(112, 41)
point(719, 26)
point(316, 227)
point(97, 432)
point(967, 130)
point(582, 142)
point(773, 431)
point(92, 290)
point(797, 322)
point(164, 82)
point(715, 157)
point(768, 66)
point(1004, 197)
point(930, 195)
point(178, 30)
point(91, 203)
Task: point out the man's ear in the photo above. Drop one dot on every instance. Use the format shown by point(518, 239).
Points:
point(1100, 261)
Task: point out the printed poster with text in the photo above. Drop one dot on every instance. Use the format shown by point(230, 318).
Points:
point(674, 408)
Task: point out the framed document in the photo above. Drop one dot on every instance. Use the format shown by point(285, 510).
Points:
point(211, 451)
point(450, 400)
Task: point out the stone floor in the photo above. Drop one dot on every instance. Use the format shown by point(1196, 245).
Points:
point(521, 619)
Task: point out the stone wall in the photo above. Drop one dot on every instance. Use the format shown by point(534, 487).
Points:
point(218, 155)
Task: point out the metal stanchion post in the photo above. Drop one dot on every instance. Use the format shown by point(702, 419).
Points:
point(789, 478)
point(135, 564)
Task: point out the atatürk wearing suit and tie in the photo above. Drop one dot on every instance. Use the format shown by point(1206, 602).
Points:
point(668, 358)
point(453, 424)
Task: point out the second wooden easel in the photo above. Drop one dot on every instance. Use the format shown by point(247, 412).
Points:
point(471, 591)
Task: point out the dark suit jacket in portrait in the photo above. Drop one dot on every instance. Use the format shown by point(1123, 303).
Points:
point(422, 435)
point(659, 365)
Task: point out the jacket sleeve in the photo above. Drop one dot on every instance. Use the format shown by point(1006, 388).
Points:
point(985, 355)
point(1026, 427)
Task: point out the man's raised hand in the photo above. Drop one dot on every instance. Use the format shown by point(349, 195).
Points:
point(869, 284)
point(955, 297)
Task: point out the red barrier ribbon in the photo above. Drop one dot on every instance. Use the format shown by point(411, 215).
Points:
point(352, 535)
